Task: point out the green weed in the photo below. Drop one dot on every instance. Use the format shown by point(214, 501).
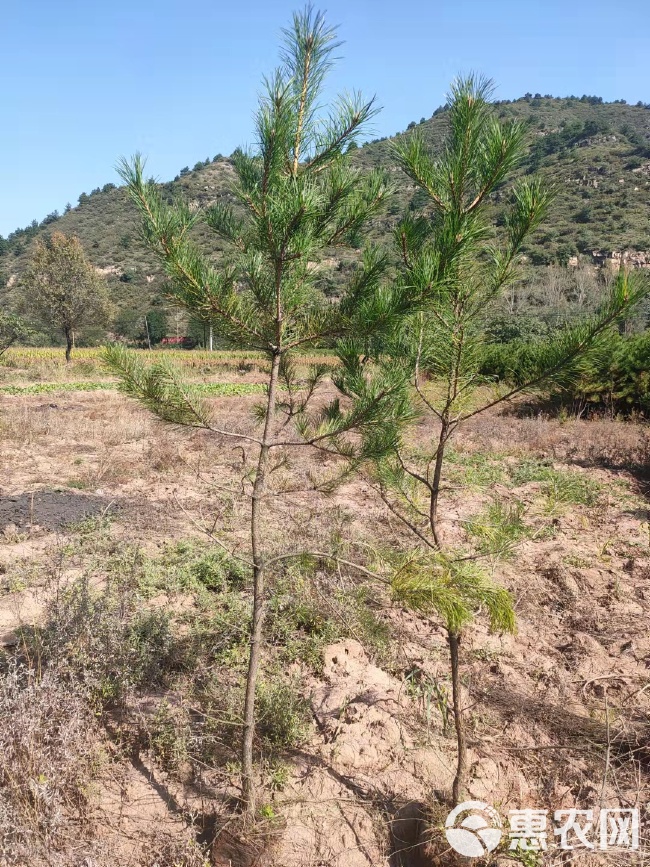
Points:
point(576, 561)
point(531, 471)
point(283, 714)
point(475, 469)
point(499, 527)
point(277, 774)
point(427, 691)
point(168, 735)
point(302, 619)
point(571, 488)
point(192, 567)
point(559, 486)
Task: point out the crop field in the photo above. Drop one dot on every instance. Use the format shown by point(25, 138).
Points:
point(53, 358)
point(122, 556)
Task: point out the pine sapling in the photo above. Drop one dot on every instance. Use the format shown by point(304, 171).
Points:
point(296, 198)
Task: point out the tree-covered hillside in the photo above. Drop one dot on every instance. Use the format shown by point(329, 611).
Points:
point(595, 154)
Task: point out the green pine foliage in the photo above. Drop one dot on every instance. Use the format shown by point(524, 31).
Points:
point(453, 590)
point(612, 378)
point(455, 265)
point(159, 387)
point(296, 197)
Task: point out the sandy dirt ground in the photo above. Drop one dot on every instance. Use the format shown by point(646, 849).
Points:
point(557, 713)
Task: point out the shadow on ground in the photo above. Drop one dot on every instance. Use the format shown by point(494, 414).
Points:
point(50, 510)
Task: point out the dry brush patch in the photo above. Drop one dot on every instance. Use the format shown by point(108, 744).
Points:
point(50, 749)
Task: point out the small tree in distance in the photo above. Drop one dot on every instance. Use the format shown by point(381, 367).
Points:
point(63, 289)
point(12, 329)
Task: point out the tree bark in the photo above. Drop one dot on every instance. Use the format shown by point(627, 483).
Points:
point(435, 490)
point(461, 761)
point(259, 602)
point(68, 345)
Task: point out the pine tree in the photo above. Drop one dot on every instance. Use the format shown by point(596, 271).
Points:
point(456, 263)
point(297, 197)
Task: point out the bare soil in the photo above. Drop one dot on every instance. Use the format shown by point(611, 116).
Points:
point(49, 510)
point(558, 713)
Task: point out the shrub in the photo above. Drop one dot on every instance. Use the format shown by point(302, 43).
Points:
point(617, 380)
point(505, 329)
point(105, 641)
point(190, 566)
point(283, 713)
point(168, 734)
point(165, 850)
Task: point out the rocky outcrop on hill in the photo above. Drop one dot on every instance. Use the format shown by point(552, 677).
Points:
point(624, 258)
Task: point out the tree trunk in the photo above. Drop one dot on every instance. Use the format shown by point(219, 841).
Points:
point(437, 475)
point(211, 337)
point(461, 762)
point(68, 345)
point(259, 606)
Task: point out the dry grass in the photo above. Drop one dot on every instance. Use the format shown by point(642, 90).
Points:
point(48, 744)
point(609, 443)
point(30, 364)
point(166, 850)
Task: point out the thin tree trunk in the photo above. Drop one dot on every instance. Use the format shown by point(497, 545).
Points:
point(68, 345)
point(461, 746)
point(435, 490)
point(301, 113)
point(211, 337)
point(259, 611)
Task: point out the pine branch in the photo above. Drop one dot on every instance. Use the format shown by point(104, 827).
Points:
point(160, 389)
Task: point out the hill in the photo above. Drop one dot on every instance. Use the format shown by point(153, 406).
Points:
point(597, 156)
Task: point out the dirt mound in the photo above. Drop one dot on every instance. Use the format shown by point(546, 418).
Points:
point(365, 762)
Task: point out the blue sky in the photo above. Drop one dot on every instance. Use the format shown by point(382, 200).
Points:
point(87, 81)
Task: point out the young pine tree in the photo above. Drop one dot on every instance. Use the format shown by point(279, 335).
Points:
point(457, 264)
point(297, 196)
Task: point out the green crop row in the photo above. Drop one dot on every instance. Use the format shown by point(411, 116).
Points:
point(208, 388)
